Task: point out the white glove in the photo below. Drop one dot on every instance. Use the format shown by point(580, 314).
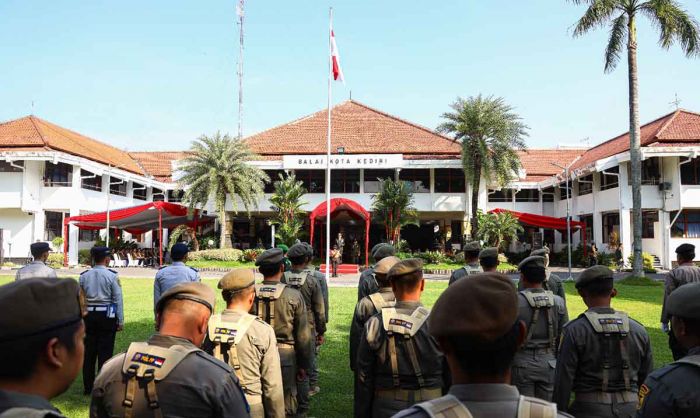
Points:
point(665, 328)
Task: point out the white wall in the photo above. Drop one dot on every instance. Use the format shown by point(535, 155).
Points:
point(10, 190)
point(18, 229)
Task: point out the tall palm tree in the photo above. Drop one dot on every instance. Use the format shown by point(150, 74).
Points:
point(674, 25)
point(217, 167)
point(287, 202)
point(491, 134)
point(393, 205)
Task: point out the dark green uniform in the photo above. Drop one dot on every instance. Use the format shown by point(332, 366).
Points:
point(684, 274)
point(552, 283)
point(469, 269)
point(367, 284)
point(366, 308)
point(23, 405)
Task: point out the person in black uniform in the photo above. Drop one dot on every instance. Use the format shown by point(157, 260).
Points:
point(368, 284)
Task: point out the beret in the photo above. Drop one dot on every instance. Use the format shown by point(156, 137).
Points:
point(194, 291)
point(488, 252)
point(179, 250)
point(684, 302)
point(298, 250)
point(237, 279)
point(374, 248)
point(271, 256)
point(100, 251)
point(39, 246)
point(472, 246)
point(591, 274)
point(532, 261)
point(385, 264)
point(405, 267)
point(283, 247)
point(309, 249)
point(685, 248)
point(383, 250)
point(486, 306)
point(35, 306)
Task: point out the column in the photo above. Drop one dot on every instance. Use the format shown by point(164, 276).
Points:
point(73, 231)
point(626, 233)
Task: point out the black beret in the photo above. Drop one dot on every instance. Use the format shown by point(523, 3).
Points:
point(684, 302)
point(405, 267)
point(383, 250)
point(374, 248)
point(271, 256)
point(532, 261)
point(472, 246)
point(298, 250)
point(194, 291)
point(488, 252)
point(237, 279)
point(100, 251)
point(179, 250)
point(309, 249)
point(685, 248)
point(39, 247)
point(592, 274)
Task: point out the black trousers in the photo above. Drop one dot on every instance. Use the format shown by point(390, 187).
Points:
point(100, 332)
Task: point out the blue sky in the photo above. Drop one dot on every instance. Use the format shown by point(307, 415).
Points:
point(153, 75)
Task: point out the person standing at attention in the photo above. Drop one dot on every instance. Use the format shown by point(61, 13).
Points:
point(177, 272)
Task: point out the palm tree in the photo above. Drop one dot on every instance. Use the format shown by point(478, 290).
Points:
point(217, 167)
point(675, 25)
point(393, 205)
point(491, 135)
point(185, 230)
point(497, 228)
point(287, 202)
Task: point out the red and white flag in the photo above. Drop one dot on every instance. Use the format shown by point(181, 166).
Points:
point(335, 58)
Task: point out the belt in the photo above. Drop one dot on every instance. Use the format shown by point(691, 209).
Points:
point(285, 345)
point(538, 350)
point(253, 399)
point(607, 398)
point(97, 308)
point(407, 395)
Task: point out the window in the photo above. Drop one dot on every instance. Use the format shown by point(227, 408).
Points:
point(687, 224)
point(89, 235)
point(651, 171)
point(690, 172)
point(449, 180)
point(58, 175)
point(139, 191)
point(588, 220)
point(609, 181)
point(503, 195)
point(117, 186)
point(157, 195)
point(419, 179)
point(274, 176)
point(6, 167)
point(175, 196)
point(53, 225)
point(548, 194)
point(314, 180)
point(345, 181)
point(527, 195)
point(90, 181)
point(585, 185)
point(611, 223)
point(372, 178)
point(563, 190)
point(648, 219)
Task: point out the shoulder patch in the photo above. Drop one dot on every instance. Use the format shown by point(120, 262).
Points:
point(80, 273)
point(162, 267)
point(193, 269)
point(642, 394)
point(113, 271)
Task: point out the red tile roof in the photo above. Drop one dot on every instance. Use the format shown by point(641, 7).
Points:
point(537, 163)
point(158, 163)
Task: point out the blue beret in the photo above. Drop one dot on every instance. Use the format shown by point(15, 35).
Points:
point(179, 250)
point(39, 247)
point(100, 251)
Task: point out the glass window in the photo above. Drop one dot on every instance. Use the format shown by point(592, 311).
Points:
point(158, 195)
point(585, 185)
point(274, 176)
point(419, 179)
point(449, 180)
point(139, 191)
point(503, 195)
point(588, 220)
point(372, 178)
point(117, 186)
point(563, 189)
point(58, 175)
point(345, 181)
point(89, 234)
point(611, 223)
point(175, 196)
point(648, 219)
point(687, 224)
point(53, 225)
point(6, 167)
point(90, 181)
point(690, 172)
point(527, 195)
point(548, 194)
point(651, 171)
point(609, 181)
point(314, 180)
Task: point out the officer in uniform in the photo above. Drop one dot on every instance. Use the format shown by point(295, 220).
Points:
point(41, 344)
point(313, 371)
point(177, 272)
point(545, 314)
point(38, 267)
point(488, 259)
point(105, 313)
point(398, 361)
point(480, 347)
point(672, 391)
point(368, 284)
point(283, 307)
point(552, 282)
point(471, 260)
point(685, 273)
point(603, 355)
point(248, 345)
point(285, 249)
point(169, 375)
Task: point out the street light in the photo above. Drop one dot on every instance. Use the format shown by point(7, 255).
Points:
point(568, 212)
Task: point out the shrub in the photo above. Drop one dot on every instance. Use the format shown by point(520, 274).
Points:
point(647, 262)
point(516, 258)
point(55, 260)
point(251, 254)
point(458, 258)
point(433, 257)
point(402, 246)
point(404, 255)
point(209, 242)
point(503, 259)
point(607, 259)
point(57, 243)
point(84, 256)
point(226, 254)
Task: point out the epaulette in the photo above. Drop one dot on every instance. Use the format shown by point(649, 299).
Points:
point(162, 267)
point(194, 269)
point(113, 271)
point(84, 272)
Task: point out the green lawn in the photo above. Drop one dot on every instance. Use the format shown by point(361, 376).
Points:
point(455, 266)
point(335, 399)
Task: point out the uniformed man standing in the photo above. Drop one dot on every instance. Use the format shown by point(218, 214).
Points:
point(488, 259)
point(545, 314)
point(38, 267)
point(177, 272)
point(686, 272)
point(41, 344)
point(603, 356)
point(283, 307)
point(314, 388)
point(368, 284)
point(471, 260)
point(552, 282)
point(248, 345)
point(105, 313)
point(479, 349)
point(672, 391)
point(169, 375)
point(398, 361)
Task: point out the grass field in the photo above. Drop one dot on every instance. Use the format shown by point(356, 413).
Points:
point(335, 400)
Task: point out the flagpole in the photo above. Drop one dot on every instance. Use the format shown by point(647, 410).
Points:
point(328, 148)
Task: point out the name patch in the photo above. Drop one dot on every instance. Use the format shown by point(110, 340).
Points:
point(610, 321)
point(268, 289)
point(401, 323)
point(226, 331)
point(148, 359)
point(540, 298)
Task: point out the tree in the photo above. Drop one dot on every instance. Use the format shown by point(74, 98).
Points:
point(217, 167)
point(287, 202)
point(497, 228)
point(491, 134)
point(393, 206)
point(674, 25)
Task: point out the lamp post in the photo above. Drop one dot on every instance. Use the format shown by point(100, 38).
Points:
point(568, 213)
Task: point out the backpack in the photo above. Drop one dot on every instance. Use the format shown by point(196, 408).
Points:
point(405, 326)
point(612, 326)
point(449, 406)
point(296, 280)
point(539, 301)
point(267, 294)
point(379, 302)
point(229, 333)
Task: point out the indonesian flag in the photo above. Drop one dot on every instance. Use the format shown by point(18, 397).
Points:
point(335, 57)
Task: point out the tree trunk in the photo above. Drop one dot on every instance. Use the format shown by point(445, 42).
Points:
point(195, 241)
point(224, 240)
point(476, 182)
point(635, 149)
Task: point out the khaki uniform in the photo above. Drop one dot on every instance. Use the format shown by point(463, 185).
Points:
point(398, 362)
point(533, 367)
point(468, 270)
point(603, 356)
point(284, 309)
point(171, 377)
point(552, 283)
point(367, 284)
point(249, 346)
point(23, 405)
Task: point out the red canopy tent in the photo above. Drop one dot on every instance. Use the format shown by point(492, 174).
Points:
point(546, 222)
point(137, 220)
point(339, 204)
